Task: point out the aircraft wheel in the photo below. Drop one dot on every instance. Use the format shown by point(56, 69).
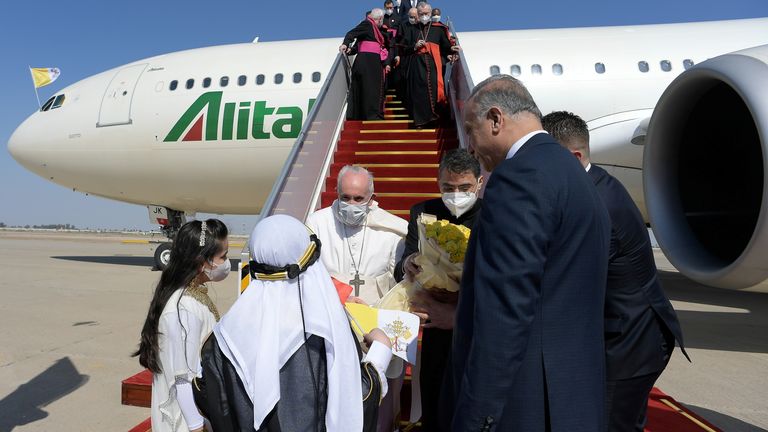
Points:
point(162, 256)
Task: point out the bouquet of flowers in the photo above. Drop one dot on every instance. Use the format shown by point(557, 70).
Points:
point(442, 246)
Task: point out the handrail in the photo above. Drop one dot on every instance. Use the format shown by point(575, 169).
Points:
point(300, 180)
point(460, 86)
point(269, 204)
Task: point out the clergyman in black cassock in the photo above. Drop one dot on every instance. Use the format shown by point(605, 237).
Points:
point(366, 94)
point(425, 86)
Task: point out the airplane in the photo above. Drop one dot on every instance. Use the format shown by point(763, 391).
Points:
point(687, 95)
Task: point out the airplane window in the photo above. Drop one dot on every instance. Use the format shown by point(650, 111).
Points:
point(173, 85)
point(315, 76)
point(666, 65)
point(58, 102)
point(297, 77)
point(278, 78)
point(206, 82)
point(260, 79)
point(515, 70)
point(241, 80)
point(224, 81)
point(557, 69)
point(190, 83)
point(643, 66)
point(687, 64)
point(600, 68)
point(47, 105)
point(536, 69)
point(495, 70)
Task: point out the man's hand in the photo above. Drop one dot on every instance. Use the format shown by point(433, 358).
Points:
point(420, 44)
point(410, 268)
point(455, 48)
point(358, 300)
point(440, 315)
point(397, 61)
point(387, 69)
point(377, 334)
point(343, 49)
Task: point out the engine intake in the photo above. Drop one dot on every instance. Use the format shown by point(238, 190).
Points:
point(704, 170)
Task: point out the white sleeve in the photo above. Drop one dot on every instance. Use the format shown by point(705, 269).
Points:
point(183, 344)
point(379, 356)
point(187, 404)
point(397, 252)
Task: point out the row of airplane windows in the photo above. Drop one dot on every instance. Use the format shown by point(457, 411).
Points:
point(243, 80)
point(557, 68)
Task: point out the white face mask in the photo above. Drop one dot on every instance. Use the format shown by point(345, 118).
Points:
point(412, 20)
point(424, 19)
point(435, 18)
point(218, 272)
point(459, 203)
point(389, 11)
point(352, 214)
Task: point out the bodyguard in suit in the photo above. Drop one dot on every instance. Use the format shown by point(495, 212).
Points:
point(460, 181)
point(640, 325)
point(528, 339)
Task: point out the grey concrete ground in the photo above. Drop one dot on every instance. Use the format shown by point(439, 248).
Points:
point(71, 309)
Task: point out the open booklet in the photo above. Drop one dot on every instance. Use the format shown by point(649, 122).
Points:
point(401, 327)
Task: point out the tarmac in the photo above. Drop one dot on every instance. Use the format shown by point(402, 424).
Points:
point(73, 305)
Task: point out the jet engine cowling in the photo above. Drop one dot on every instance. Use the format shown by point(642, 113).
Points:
point(704, 170)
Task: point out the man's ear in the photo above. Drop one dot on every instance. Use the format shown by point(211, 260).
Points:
point(497, 119)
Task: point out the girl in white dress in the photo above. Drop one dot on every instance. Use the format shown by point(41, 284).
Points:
point(180, 318)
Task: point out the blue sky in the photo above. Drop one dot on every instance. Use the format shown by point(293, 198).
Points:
point(86, 37)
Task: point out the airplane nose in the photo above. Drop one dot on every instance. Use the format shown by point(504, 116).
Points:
point(22, 145)
point(16, 143)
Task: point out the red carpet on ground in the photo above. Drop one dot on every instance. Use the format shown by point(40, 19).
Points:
point(665, 414)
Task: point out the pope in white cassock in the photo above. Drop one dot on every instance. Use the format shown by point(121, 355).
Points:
point(361, 245)
point(361, 242)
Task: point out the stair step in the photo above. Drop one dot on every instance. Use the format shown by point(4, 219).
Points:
point(137, 390)
point(395, 184)
point(355, 146)
point(390, 134)
point(350, 158)
point(378, 124)
point(393, 170)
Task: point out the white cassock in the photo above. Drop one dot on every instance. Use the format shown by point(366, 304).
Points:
point(373, 249)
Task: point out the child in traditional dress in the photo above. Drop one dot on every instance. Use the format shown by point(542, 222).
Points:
point(180, 318)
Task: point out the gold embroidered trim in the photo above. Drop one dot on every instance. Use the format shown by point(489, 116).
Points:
point(200, 293)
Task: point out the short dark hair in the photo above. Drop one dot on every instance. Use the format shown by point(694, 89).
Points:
point(459, 161)
point(568, 129)
point(389, 2)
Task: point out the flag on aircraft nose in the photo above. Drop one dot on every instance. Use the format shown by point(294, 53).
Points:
point(44, 76)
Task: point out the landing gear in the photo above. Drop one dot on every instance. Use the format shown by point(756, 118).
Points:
point(170, 222)
point(162, 256)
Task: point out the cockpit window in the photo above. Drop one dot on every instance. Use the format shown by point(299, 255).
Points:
point(47, 105)
point(58, 102)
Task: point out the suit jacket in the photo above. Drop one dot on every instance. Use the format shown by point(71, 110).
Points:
point(528, 339)
point(638, 316)
point(405, 6)
point(437, 208)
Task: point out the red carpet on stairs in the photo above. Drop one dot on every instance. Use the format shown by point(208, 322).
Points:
point(403, 159)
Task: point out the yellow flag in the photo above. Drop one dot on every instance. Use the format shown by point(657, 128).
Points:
point(44, 76)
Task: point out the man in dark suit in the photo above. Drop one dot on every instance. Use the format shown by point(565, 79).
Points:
point(402, 7)
point(460, 181)
point(527, 342)
point(640, 324)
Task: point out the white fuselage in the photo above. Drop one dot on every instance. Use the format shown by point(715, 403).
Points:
point(112, 136)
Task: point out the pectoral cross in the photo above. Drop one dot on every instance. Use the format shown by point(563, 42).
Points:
point(356, 282)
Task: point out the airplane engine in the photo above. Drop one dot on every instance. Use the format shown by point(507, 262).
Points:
point(704, 171)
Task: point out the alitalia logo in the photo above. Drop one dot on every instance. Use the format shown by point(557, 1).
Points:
point(205, 120)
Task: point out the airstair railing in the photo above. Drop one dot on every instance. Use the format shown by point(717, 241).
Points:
point(302, 178)
point(460, 86)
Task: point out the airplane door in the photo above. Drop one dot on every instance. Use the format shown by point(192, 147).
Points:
point(116, 104)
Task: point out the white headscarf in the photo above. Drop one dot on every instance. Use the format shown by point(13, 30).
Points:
point(263, 328)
